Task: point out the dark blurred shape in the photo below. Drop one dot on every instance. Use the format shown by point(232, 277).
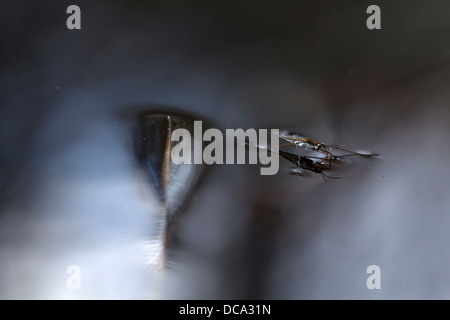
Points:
point(173, 183)
point(69, 192)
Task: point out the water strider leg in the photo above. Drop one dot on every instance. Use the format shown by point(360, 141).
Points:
point(352, 153)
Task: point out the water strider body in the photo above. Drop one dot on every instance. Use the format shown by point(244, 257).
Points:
point(306, 163)
point(311, 144)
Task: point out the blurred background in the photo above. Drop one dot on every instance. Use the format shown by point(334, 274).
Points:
point(72, 193)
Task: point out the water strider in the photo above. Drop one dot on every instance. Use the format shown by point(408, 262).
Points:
point(307, 162)
point(311, 144)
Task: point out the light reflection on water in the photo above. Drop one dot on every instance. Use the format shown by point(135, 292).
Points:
point(74, 195)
